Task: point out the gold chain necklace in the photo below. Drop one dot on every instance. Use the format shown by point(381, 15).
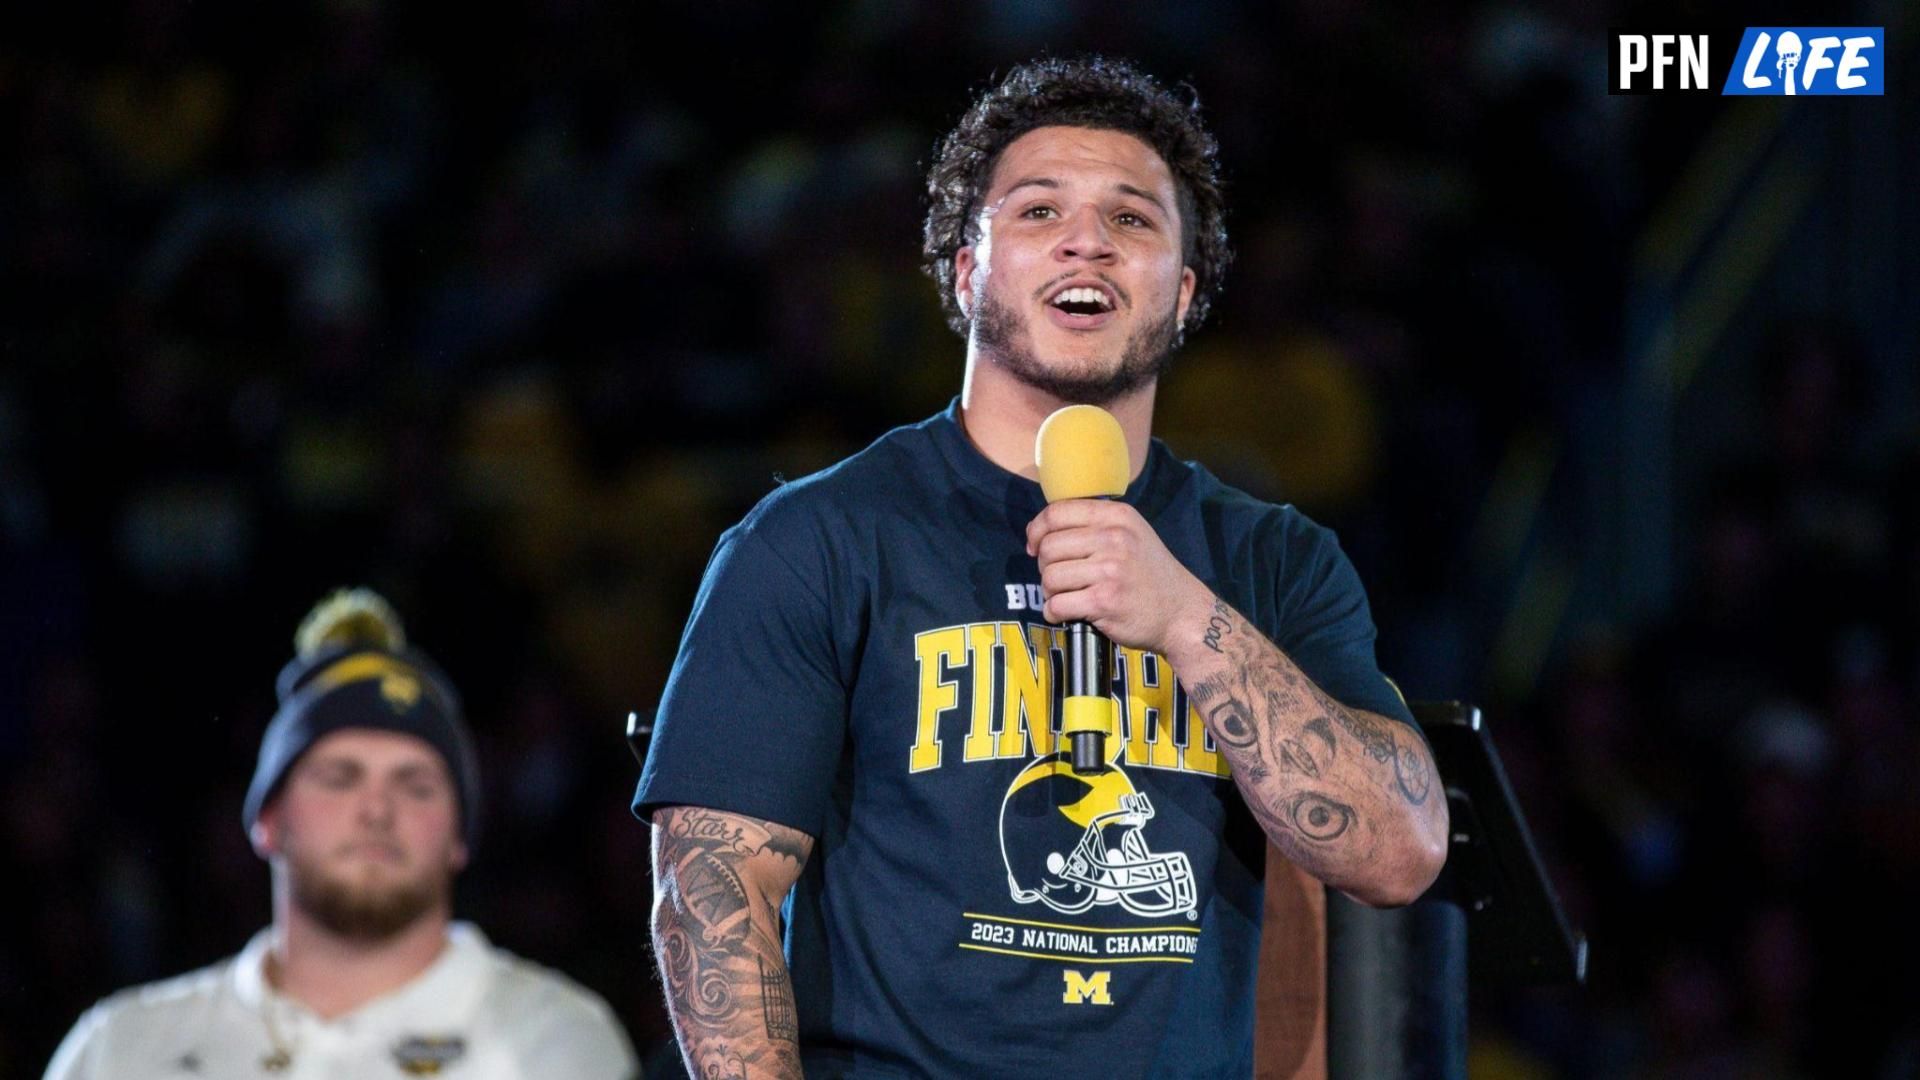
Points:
point(281, 1059)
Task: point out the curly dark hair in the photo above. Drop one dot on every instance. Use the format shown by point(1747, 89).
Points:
point(1091, 92)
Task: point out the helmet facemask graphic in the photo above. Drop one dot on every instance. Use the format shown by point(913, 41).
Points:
point(1073, 842)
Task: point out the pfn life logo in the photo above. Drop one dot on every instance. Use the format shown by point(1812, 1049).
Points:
point(1793, 61)
point(1809, 61)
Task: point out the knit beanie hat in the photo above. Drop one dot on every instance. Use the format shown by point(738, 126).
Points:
point(352, 669)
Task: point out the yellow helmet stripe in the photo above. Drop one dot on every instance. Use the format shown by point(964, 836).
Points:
point(1103, 790)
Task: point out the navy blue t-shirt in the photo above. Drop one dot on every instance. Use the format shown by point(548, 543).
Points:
point(867, 662)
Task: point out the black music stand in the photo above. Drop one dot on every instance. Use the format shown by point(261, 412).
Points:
point(1397, 980)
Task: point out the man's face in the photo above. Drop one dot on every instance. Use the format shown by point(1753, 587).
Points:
point(366, 829)
point(1076, 285)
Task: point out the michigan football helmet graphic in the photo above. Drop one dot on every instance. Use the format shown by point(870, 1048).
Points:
point(1074, 841)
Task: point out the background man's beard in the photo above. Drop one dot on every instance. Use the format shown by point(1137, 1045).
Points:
point(364, 913)
point(1149, 352)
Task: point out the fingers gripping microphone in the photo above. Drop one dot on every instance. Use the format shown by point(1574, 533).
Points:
point(1082, 454)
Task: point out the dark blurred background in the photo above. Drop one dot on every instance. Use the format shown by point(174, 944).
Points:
point(508, 312)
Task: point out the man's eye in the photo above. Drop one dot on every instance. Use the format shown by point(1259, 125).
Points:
point(1037, 212)
point(1131, 219)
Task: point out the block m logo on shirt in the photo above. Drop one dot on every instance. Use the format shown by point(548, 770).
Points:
point(1082, 989)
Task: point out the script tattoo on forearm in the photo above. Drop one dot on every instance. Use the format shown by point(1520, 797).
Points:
point(717, 942)
point(1410, 771)
point(1219, 624)
point(1377, 741)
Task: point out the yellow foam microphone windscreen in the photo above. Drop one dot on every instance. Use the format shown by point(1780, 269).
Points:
point(1082, 454)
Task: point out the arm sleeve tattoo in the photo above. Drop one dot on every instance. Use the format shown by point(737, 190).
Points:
point(1339, 791)
point(719, 879)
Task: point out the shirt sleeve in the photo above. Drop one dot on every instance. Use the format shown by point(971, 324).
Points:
point(753, 716)
point(587, 1043)
point(78, 1055)
point(1328, 630)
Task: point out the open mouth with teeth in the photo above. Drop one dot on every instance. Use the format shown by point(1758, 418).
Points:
point(1083, 301)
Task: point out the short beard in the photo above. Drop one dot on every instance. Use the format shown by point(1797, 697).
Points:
point(361, 913)
point(1149, 353)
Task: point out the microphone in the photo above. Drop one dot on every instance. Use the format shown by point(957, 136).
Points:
point(1082, 454)
point(1788, 50)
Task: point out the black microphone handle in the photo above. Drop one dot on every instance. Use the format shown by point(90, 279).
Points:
point(1089, 752)
point(1089, 674)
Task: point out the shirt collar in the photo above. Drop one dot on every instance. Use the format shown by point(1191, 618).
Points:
point(445, 988)
point(250, 970)
point(1149, 492)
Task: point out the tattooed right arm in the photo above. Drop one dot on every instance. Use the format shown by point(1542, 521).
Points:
point(719, 880)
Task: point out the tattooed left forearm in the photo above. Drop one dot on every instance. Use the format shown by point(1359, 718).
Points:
point(1340, 791)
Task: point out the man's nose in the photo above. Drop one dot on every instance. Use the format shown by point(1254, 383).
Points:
point(376, 804)
point(1087, 236)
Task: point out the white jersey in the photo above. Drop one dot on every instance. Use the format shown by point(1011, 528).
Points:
point(477, 1013)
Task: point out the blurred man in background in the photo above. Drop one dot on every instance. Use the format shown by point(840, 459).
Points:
point(364, 803)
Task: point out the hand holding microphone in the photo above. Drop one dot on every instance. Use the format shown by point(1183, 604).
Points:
point(1082, 454)
point(1104, 568)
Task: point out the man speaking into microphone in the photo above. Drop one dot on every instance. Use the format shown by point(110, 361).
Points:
point(873, 852)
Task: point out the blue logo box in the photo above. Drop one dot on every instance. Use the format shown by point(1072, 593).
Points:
point(1810, 61)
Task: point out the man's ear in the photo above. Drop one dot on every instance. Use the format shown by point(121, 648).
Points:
point(265, 834)
point(457, 856)
point(1187, 281)
point(963, 280)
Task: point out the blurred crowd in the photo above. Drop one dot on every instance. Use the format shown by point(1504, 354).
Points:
point(508, 314)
